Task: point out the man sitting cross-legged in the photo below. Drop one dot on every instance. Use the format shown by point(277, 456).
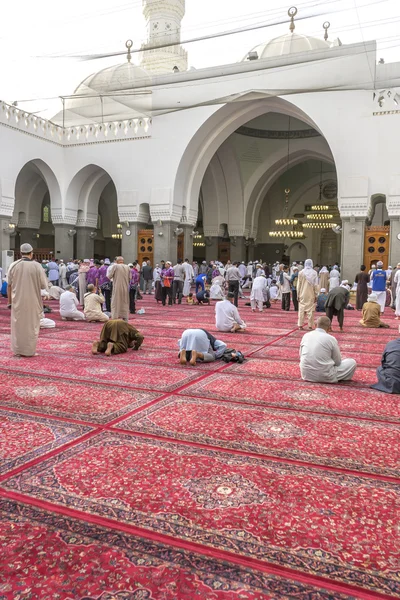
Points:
point(320, 358)
point(227, 316)
point(116, 337)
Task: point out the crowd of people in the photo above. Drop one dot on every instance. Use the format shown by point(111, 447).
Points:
point(105, 291)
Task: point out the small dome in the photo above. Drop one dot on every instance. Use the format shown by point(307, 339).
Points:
point(290, 43)
point(114, 79)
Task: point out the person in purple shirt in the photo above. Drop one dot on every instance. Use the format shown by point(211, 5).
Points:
point(167, 277)
point(104, 283)
point(133, 286)
point(93, 274)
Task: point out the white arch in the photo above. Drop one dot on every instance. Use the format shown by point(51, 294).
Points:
point(269, 178)
point(32, 183)
point(83, 194)
point(214, 131)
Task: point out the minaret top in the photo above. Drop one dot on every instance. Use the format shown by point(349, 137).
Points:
point(164, 19)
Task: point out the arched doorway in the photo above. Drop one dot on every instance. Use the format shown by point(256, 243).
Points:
point(37, 193)
point(92, 198)
point(254, 155)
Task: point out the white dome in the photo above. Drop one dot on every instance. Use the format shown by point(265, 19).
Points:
point(290, 43)
point(114, 79)
point(108, 96)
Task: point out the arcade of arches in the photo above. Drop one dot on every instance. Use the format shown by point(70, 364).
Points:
point(274, 167)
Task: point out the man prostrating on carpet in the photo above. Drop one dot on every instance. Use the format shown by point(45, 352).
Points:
point(116, 337)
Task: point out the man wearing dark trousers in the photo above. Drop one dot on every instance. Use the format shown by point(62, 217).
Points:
point(293, 285)
point(233, 277)
point(284, 280)
point(177, 286)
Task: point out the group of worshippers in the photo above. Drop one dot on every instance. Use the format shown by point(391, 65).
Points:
point(320, 357)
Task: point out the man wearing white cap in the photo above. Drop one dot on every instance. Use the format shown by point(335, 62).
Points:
point(26, 278)
point(371, 313)
point(378, 281)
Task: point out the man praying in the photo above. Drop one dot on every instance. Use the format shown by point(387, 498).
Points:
point(117, 337)
point(320, 358)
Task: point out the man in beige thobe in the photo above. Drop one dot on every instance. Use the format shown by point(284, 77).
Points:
point(120, 275)
point(26, 279)
point(93, 305)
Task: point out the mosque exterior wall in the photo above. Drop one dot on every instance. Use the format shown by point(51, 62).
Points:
point(165, 170)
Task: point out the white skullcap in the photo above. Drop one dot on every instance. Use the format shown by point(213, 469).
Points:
point(323, 290)
point(26, 249)
point(380, 263)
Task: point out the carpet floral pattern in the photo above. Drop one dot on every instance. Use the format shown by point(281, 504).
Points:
point(137, 478)
point(343, 443)
point(117, 567)
point(172, 489)
point(24, 438)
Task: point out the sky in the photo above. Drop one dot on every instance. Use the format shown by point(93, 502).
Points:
point(39, 41)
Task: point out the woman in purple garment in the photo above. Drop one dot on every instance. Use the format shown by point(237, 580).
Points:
point(92, 275)
point(167, 277)
point(104, 283)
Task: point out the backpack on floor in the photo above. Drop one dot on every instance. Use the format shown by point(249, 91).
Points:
point(231, 355)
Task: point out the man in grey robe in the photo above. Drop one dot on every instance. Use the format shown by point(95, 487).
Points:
point(389, 372)
point(120, 275)
point(26, 279)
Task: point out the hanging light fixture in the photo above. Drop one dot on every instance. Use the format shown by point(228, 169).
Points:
point(294, 228)
point(319, 225)
point(320, 207)
point(319, 217)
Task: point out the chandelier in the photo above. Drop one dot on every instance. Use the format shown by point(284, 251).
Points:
point(286, 222)
point(317, 217)
point(200, 241)
point(117, 236)
point(292, 234)
point(319, 225)
point(294, 228)
point(320, 207)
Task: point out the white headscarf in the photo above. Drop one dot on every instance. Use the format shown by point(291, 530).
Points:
point(324, 270)
point(309, 273)
point(345, 284)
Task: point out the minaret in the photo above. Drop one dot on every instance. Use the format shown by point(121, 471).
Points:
point(163, 19)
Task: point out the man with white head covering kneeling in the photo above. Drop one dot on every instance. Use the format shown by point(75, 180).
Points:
point(307, 292)
point(371, 312)
point(320, 358)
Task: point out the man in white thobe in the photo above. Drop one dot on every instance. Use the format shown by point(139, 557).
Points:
point(320, 358)
point(120, 275)
point(189, 276)
point(227, 316)
point(25, 279)
point(62, 272)
point(69, 306)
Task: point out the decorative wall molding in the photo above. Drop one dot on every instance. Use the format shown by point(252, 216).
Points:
point(113, 131)
point(28, 222)
point(272, 134)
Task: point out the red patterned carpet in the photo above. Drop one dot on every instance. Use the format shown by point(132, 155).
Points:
point(136, 478)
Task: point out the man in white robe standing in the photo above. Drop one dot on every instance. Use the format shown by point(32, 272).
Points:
point(189, 276)
point(26, 278)
point(320, 358)
point(62, 270)
point(227, 316)
point(120, 275)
